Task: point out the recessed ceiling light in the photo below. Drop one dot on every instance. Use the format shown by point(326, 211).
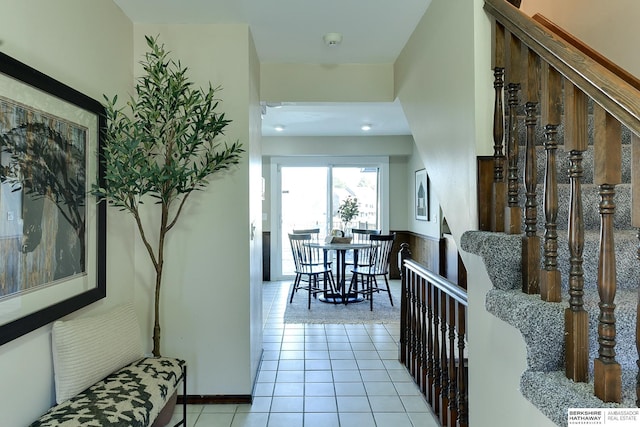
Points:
point(365, 127)
point(278, 128)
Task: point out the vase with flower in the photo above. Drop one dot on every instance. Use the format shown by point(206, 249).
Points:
point(347, 211)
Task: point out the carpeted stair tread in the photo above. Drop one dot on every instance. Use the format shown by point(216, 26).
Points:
point(627, 264)
point(562, 164)
point(590, 206)
point(542, 325)
point(502, 257)
point(552, 392)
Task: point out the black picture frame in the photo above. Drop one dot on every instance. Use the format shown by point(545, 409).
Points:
point(421, 196)
point(31, 89)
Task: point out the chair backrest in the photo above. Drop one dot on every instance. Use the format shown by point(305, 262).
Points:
point(380, 252)
point(361, 235)
point(314, 232)
point(303, 255)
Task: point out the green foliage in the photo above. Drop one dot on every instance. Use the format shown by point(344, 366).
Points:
point(348, 209)
point(166, 146)
point(163, 145)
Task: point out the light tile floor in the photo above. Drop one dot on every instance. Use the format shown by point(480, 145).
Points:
point(330, 375)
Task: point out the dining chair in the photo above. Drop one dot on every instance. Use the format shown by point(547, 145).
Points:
point(318, 256)
point(378, 265)
point(361, 235)
point(308, 269)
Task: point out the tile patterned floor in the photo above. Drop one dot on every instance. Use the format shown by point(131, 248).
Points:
point(330, 375)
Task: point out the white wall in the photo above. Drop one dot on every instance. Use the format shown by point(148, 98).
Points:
point(210, 272)
point(444, 83)
point(255, 210)
point(86, 45)
point(610, 27)
point(432, 227)
point(327, 83)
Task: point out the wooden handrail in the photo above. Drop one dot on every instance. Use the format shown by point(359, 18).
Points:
point(613, 93)
point(449, 288)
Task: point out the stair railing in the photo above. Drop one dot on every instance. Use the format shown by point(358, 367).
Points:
point(433, 337)
point(532, 56)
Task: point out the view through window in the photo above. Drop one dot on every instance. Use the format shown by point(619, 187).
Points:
point(311, 196)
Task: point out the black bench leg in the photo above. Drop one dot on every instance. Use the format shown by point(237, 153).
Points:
point(183, 422)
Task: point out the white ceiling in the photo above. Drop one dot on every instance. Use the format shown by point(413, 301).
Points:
point(290, 31)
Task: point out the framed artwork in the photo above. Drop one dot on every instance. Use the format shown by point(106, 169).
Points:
point(421, 199)
point(52, 231)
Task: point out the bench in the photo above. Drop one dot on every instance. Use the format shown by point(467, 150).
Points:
point(103, 379)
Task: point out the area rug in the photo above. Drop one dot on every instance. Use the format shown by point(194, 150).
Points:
point(359, 312)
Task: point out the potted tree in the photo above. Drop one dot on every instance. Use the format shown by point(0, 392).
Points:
point(347, 211)
point(162, 147)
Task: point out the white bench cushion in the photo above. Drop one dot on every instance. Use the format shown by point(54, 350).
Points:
point(86, 350)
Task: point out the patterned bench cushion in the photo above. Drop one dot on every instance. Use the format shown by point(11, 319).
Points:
point(132, 397)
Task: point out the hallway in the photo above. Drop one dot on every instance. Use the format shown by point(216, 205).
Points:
point(324, 375)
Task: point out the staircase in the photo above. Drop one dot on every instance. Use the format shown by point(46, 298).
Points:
point(542, 323)
point(581, 174)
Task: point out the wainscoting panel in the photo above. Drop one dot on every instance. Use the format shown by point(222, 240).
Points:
point(424, 250)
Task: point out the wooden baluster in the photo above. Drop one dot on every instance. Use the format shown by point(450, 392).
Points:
point(431, 371)
point(576, 318)
point(513, 212)
point(550, 287)
point(444, 360)
point(437, 367)
point(424, 349)
point(453, 378)
point(403, 254)
point(414, 323)
point(635, 220)
point(608, 173)
point(531, 240)
point(499, 192)
point(463, 404)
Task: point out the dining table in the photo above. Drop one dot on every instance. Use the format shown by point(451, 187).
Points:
point(342, 295)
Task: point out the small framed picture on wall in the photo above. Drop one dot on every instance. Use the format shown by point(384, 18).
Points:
point(421, 199)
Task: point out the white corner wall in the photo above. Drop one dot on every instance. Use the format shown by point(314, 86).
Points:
point(86, 45)
point(207, 291)
point(444, 83)
point(435, 83)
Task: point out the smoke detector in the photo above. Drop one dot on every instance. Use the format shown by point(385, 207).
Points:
point(332, 39)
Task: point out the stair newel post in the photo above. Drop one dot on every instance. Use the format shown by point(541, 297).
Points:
point(513, 212)
point(608, 173)
point(551, 115)
point(499, 192)
point(635, 221)
point(531, 240)
point(576, 318)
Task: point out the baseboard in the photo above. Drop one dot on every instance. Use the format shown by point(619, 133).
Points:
point(210, 399)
